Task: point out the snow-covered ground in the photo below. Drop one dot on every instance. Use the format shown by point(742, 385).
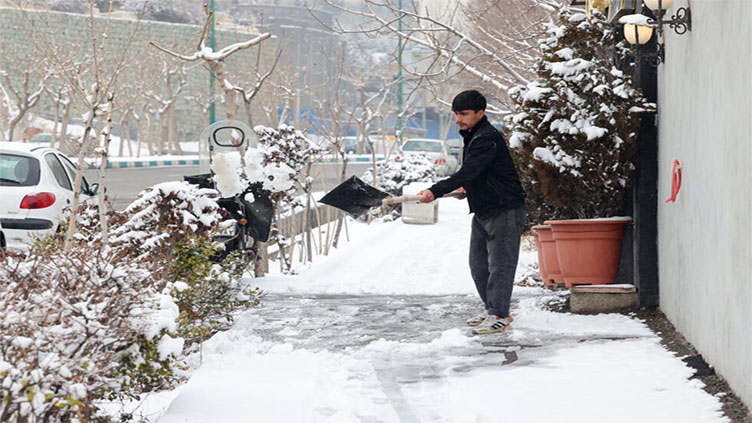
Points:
point(375, 332)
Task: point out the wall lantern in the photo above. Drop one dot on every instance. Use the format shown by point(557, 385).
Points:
point(638, 29)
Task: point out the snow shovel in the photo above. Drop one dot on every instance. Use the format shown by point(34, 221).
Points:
point(355, 197)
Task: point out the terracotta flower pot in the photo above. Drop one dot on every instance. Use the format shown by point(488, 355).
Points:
point(549, 256)
point(541, 261)
point(588, 250)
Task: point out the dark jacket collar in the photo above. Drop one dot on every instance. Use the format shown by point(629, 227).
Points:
point(468, 133)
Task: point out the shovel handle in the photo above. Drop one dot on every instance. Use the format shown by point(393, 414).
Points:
point(407, 198)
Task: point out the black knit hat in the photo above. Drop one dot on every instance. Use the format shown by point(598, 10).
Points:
point(469, 100)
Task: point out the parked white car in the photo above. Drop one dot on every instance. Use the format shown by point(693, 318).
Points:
point(36, 184)
point(435, 150)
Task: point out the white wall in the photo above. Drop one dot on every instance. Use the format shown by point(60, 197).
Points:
point(705, 238)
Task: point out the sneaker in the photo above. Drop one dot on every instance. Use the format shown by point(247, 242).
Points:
point(475, 321)
point(492, 324)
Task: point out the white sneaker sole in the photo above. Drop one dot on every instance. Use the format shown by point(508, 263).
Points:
point(491, 330)
point(510, 319)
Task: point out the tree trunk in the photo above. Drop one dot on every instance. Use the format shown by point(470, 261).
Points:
point(53, 135)
point(64, 127)
point(68, 241)
point(122, 125)
point(149, 134)
point(178, 147)
point(262, 261)
point(12, 127)
point(249, 113)
point(128, 135)
point(160, 135)
point(102, 168)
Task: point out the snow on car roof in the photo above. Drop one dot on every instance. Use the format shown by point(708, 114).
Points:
point(19, 146)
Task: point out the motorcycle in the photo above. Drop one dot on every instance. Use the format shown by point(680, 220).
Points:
point(252, 219)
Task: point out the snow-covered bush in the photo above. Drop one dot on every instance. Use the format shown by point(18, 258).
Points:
point(208, 294)
point(79, 326)
point(403, 170)
point(574, 129)
point(170, 227)
point(284, 153)
point(107, 320)
point(276, 165)
point(164, 216)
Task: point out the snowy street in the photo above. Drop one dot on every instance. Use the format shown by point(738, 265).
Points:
point(375, 332)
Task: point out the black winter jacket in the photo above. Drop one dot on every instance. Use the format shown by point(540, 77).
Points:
point(487, 173)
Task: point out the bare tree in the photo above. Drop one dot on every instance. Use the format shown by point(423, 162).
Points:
point(215, 61)
point(248, 94)
point(61, 99)
point(172, 90)
point(18, 100)
point(94, 82)
point(493, 41)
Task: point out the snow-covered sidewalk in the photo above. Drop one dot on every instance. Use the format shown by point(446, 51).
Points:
point(375, 333)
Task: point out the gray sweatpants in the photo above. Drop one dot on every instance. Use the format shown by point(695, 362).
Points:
point(494, 252)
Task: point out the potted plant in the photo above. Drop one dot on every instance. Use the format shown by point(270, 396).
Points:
point(573, 131)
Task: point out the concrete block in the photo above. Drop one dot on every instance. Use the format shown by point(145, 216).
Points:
point(414, 212)
point(612, 298)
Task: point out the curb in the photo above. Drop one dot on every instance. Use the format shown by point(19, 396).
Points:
point(348, 159)
point(148, 163)
point(195, 162)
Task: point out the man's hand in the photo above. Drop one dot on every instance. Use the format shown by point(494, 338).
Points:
point(426, 196)
point(459, 193)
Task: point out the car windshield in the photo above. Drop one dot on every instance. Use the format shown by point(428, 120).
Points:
point(18, 171)
point(427, 146)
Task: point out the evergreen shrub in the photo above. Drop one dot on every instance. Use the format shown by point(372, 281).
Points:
point(573, 130)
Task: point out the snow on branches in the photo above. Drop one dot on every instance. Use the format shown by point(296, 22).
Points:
point(78, 326)
point(573, 129)
point(110, 319)
point(275, 164)
point(165, 214)
point(395, 174)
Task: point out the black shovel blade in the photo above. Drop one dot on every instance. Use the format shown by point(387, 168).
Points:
point(354, 197)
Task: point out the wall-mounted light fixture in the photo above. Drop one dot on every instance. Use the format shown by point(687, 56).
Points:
point(680, 22)
point(638, 28)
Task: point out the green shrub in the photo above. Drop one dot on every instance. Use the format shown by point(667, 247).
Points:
point(208, 294)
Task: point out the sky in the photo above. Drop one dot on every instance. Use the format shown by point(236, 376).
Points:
point(375, 332)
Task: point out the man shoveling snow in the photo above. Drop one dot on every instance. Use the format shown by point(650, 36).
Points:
point(495, 195)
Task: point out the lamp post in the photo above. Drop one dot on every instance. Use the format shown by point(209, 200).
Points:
point(212, 45)
point(399, 74)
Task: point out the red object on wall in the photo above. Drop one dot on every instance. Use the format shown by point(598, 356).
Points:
point(675, 181)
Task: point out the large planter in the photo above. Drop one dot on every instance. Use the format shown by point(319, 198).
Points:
point(547, 255)
point(588, 250)
point(541, 261)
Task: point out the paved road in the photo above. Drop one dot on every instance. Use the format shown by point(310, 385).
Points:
point(123, 185)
